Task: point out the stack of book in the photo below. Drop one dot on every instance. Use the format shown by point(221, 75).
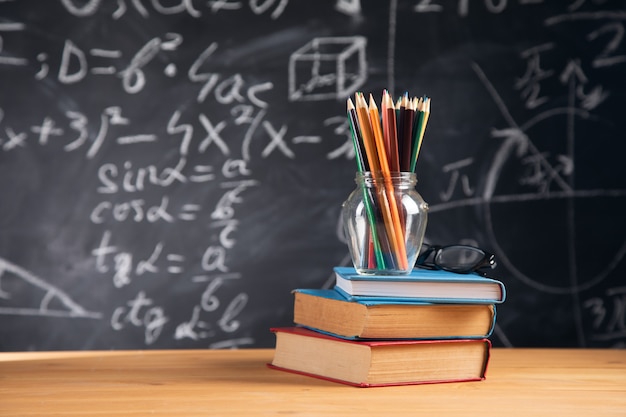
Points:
point(374, 330)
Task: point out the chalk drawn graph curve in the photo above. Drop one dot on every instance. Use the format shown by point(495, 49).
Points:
point(517, 141)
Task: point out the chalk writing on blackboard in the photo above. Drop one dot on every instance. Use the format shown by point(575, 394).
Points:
point(89, 8)
point(609, 314)
point(49, 296)
point(189, 155)
point(327, 68)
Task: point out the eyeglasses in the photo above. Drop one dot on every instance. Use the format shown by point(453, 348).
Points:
point(461, 259)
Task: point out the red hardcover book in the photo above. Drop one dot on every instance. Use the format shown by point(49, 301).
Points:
point(379, 362)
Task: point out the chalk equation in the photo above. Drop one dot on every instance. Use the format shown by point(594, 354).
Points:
point(205, 148)
point(608, 316)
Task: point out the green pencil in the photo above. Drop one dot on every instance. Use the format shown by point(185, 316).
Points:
point(418, 132)
point(361, 164)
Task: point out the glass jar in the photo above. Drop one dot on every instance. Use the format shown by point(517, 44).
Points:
point(384, 219)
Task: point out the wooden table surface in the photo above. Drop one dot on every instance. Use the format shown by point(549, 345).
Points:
point(520, 382)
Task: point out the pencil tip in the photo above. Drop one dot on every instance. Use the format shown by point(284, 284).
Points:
point(360, 100)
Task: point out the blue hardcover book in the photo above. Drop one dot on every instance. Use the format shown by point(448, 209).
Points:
point(327, 311)
point(435, 286)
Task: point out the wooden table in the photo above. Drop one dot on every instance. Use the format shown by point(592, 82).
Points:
point(180, 383)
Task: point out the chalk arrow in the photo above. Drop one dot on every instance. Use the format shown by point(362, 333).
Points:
point(572, 69)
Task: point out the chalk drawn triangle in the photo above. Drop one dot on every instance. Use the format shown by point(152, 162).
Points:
point(50, 301)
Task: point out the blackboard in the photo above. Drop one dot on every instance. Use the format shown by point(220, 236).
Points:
point(170, 170)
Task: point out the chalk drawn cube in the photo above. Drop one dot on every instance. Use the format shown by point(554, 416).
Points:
point(327, 68)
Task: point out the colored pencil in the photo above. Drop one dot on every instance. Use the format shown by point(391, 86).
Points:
point(385, 121)
point(422, 120)
point(407, 131)
point(357, 140)
point(391, 132)
point(400, 115)
point(362, 166)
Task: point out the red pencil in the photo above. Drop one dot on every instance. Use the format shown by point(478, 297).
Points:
point(391, 132)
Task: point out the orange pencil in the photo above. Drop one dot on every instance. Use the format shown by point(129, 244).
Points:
point(390, 207)
point(378, 136)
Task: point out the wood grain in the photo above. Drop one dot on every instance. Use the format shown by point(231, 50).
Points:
point(520, 382)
